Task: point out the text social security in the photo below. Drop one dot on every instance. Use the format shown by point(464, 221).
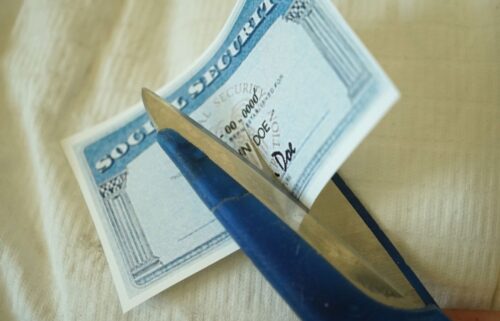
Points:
point(214, 71)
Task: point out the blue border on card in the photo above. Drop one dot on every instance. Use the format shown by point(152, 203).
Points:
point(103, 147)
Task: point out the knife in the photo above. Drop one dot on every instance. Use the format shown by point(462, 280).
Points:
point(316, 271)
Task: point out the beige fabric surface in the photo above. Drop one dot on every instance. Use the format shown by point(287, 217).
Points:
point(430, 172)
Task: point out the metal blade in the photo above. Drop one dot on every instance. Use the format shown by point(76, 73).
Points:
point(281, 203)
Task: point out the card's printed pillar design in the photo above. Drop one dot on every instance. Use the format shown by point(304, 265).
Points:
point(132, 242)
point(332, 43)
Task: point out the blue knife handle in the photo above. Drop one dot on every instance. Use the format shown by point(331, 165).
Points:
point(312, 287)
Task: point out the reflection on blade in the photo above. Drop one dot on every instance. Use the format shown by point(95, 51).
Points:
point(284, 205)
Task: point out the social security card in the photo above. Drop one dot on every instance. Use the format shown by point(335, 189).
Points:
point(287, 77)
